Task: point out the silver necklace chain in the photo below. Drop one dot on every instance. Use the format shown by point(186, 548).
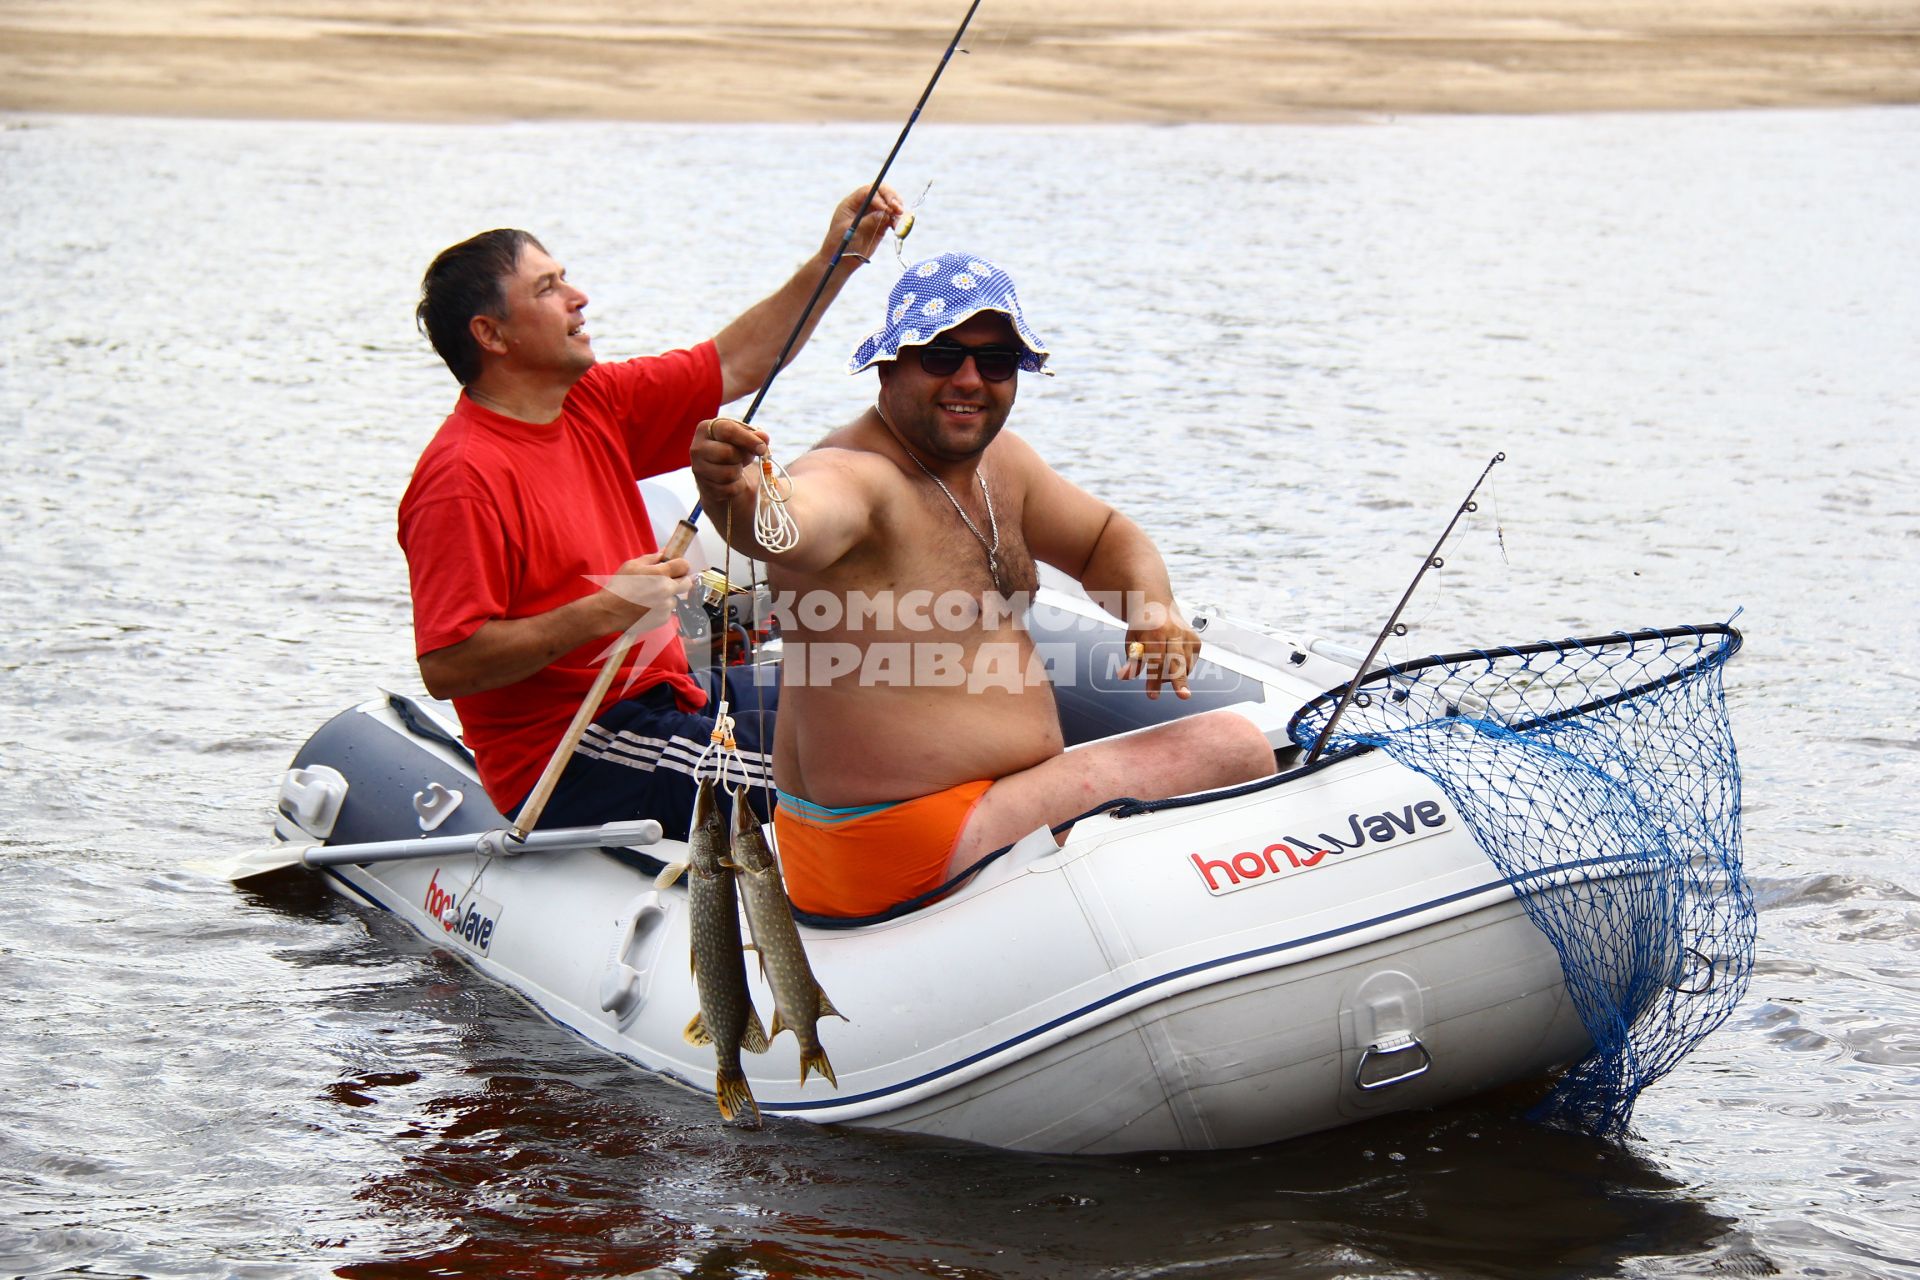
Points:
point(991, 548)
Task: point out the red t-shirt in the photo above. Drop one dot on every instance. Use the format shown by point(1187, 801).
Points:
point(506, 519)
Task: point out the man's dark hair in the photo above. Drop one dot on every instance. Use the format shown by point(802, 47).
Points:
point(465, 281)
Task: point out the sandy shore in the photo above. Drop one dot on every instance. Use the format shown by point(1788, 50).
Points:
point(1058, 60)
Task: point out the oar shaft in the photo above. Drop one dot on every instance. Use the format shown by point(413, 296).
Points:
point(497, 842)
point(542, 792)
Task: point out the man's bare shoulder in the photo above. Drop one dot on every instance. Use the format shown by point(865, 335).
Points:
point(853, 464)
point(1011, 448)
point(862, 435)
point(1014, 458)
point(856, 451)
point(850, 479)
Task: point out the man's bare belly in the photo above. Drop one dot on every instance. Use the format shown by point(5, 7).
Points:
point(858, 746)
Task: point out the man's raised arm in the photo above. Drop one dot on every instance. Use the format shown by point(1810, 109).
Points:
point(749, 346)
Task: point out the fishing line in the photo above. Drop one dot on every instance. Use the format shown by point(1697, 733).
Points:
point(722, 753)
point(1499, 526)
point(847, 239)
point(774, 481)
point(1006, 28)
point(1434, 599)
point(1437, 597)
point(1433, 561)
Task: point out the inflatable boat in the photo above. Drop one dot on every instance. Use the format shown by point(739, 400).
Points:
point(1220, 970)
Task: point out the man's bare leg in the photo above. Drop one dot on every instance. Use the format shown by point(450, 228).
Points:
point(1217, 749)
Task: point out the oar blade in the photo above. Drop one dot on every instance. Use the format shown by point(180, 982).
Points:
point(254, 863)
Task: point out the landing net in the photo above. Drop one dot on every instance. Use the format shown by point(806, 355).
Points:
point(1600, 778)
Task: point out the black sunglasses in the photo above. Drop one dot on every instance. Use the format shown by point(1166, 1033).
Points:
point(995, 364)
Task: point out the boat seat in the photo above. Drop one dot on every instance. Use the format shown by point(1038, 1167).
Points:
point(1094, 703)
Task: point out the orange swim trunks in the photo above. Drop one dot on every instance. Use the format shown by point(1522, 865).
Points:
point(863, 860)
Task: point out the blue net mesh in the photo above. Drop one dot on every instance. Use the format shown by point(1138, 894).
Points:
point(1599, 776)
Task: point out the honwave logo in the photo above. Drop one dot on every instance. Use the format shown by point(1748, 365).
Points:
point(472, 924)
point(1359, 833)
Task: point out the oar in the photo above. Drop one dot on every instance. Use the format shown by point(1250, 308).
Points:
point(683, 533)
point(496, 843)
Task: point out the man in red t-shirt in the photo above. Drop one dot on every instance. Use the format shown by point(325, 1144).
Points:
point(528, 546)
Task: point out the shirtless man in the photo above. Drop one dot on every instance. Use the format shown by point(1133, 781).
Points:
point(898, 764)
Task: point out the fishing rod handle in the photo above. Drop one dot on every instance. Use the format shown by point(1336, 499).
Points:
point(681, 538)
point(536, 802)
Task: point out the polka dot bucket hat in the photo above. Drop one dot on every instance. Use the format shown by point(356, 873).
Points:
point(938, 294)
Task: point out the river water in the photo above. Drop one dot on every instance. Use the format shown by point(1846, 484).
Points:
point(1286, 350)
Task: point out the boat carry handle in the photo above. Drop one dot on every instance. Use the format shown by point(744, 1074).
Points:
point(623, 984)
point(1402, 1042)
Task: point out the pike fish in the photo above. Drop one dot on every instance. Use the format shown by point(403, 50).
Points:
point(727, 1019)
point(798, 1001)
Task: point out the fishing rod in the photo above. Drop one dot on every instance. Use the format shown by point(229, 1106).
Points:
point(682, 535)
point(1433, 561)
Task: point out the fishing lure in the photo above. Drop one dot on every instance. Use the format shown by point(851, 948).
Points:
point(905, 228)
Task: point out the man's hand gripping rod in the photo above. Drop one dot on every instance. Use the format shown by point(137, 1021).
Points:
point(677, 544)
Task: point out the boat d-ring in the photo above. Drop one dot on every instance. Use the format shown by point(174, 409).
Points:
point(1400, 1042)
point(1699, 962)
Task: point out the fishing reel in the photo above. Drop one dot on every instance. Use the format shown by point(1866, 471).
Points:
point(719, 615)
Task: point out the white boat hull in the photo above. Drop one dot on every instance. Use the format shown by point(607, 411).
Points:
point(1196, 977)
point(1165, 981)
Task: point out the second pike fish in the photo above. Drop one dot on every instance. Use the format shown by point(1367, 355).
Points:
point(727, 1019)
point(798, 1001)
